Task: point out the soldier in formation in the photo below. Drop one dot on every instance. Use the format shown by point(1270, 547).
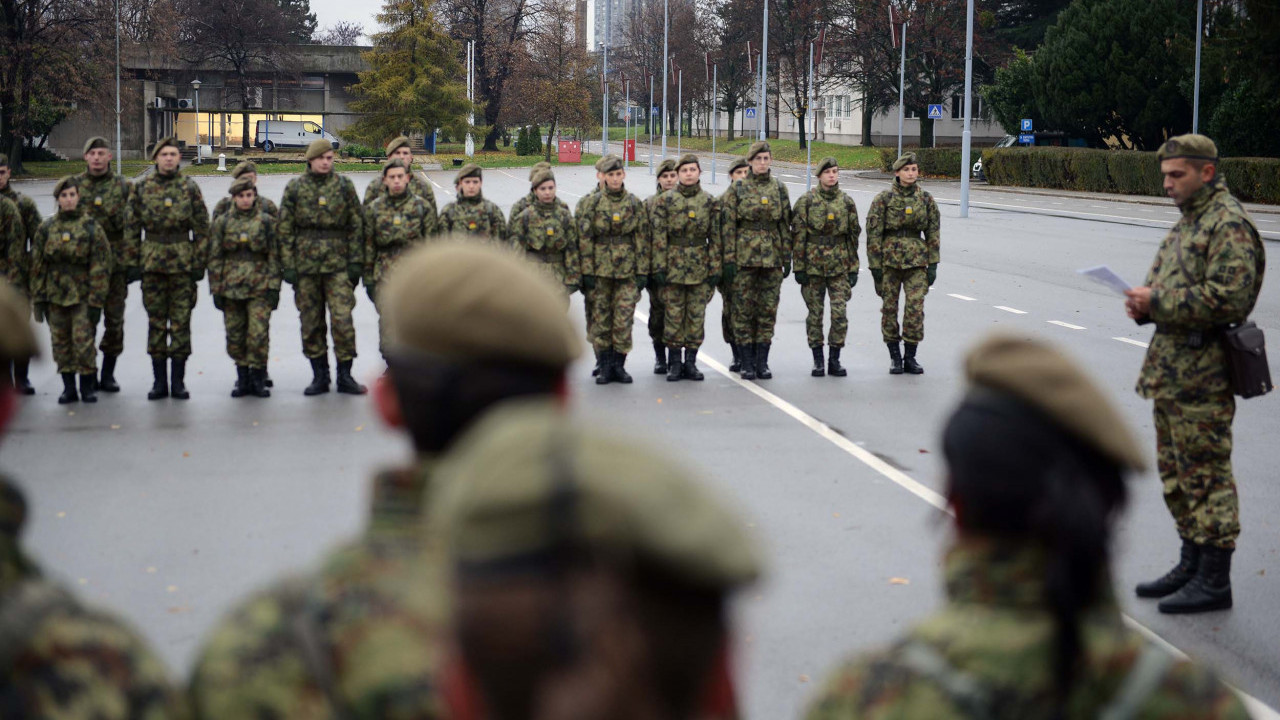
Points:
point(395, 221)
point(580, 211)
point(472, 214)
point(401, 149)
point(687, 264)
point(322, 256)
point(20, 218)
point(614, 239)
point(104, 196)
point(825, 242)
point(1036, 461)
point(758, 224)
point(903, 246)
point(1206, 276)
point(525, 201)
point(244, 279)
point(247, 169)
point(545, 230)
point(70, 276)
point(657, 313)
point(738, 170)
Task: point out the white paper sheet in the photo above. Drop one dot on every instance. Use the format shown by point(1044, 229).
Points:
point(1104, 275)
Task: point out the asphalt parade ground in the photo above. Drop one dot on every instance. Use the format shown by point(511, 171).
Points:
point(170, 511)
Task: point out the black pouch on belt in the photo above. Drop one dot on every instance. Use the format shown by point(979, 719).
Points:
point(1247, 359)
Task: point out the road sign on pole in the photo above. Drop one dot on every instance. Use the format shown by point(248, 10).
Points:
point(1027, 139)
point(935, 111)
point(1025, 125)
point(751, 112)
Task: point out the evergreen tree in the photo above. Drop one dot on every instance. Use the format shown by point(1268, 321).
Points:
point(300, 22)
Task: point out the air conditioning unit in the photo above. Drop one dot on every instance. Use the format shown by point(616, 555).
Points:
point(184, 104)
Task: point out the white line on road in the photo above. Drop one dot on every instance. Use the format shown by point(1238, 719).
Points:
point(1015, 311)
point(1139, 343)
point(960, 297)
point(1066, 325)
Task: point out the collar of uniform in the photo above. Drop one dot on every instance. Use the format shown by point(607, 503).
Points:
point(544, 207)
point(399, 498)
point(616, 194)
point(689, 190)
point(999, 572)
point(471, 200)
point(254, 209)
point(829, 193)
point(318, 176)
point(1202, 197)
point(8, 190)
point(70, 214)
point(906, 189)
point(98, 178)
point(161, 175)
point(400, 199)
point(765, 176)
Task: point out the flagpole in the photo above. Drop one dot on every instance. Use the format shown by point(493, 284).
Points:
point(666, 21)
point(808, 162)
point(715, 121)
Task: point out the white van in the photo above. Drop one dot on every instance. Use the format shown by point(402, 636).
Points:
point(272, 134)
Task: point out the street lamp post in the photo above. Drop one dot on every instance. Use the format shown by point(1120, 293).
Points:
point(196, 84)
point(119, 156)
point(764, 73)
point(666, 21)
point(1195, 102)
point(967, 141)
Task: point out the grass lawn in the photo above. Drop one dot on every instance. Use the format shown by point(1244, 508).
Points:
point(850, 157)
point(55, 169)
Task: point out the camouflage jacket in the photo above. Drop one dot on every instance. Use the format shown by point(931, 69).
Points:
point(474, 216)
point(547, 233)
point(1207, 273)
point(31, 218)
point(758, 221)
point(106, 198)
point(825, 232)
point(14, 258)
point(525, 201)
point(321, 224)
point(990, 653)
point(70, 261)
point(393, 225)
point(167, 208)
point(418, 185)
point(895, 222)
point(362, 638)
point(261, 204)
point(244, 255)
point(63, 660)
point(686, 235)
point(613, 235)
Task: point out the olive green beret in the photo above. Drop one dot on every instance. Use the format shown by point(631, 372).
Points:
point(668, 165)
point(398, 143)
point(161, 144)
point(69, 181)
point(468, 170)
point(318, 148)
point(738, 163)
point(470, 301)
point(757, 147)
point(394, 163)
point(527, 482)
point(609, 163)
point(543, 165)
point(95, 142)
point(541, 176)
point(904, 160)
point(240, 185)
point(827, 163)
point(1041, 376)
point(244, 166)
point(1190, 146)
point(13, 510)
point(687, 159)
point(17, 340)
point(4, 160)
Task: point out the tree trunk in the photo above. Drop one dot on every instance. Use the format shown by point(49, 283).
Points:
point(868, 115)
point(551, 132)
point(926, 132)
point(804, 128)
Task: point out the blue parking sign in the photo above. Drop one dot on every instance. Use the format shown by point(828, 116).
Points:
point(1026, 125)
point(935, 112)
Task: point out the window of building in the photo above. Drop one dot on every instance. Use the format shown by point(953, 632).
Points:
point(957, 107)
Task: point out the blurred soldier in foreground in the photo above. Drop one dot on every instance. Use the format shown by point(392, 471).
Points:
point(657, 312)
point(104, 196)
point(395, 222)
point(826, 230)
point(15, 263)
point(546, 232)
point(247, 169)
point(61, 659)
point(1207, 275)
point(1036, 457)
point(738, 170)
point(471, 214)
point(470, 327)
point(401, 149)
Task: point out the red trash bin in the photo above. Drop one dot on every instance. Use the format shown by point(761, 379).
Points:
point(629, 150)
point(569, 151)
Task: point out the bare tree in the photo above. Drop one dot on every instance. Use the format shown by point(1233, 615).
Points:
point(860, 54)
point(793, 27)
point(340, 33)
point(556, 76)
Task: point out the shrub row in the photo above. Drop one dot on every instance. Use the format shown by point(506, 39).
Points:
point(935, 162)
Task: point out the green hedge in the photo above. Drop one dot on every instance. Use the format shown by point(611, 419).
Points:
point(935, 162)
point(1119, 171)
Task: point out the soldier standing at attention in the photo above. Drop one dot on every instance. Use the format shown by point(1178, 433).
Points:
point(244, 279)
point(169, 222)
point(687, 263)
point(19, 254)
point(738, 170)
point(1207, 275)
point(826, 231)
point(104, 196)
point(247, 169)
point(322, 254)
point(400, 149)
point(70, 275)
point(758, 223)
point(471, 214)
point(1036, 457)
point(526, 200)
point(15, 262)
point(614, 234)
point(394, 222)
point(546, 232)
point(903, 246)
point(582, 209)
point(657, 313)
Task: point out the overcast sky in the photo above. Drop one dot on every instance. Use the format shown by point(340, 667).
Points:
point(364, 12)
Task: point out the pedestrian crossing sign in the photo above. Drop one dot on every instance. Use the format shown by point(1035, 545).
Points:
point(935, 111)
point(751, 112)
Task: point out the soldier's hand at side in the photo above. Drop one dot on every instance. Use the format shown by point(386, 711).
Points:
point(853, 279)
point(932, 273)
point(658, 279)
point(217, 302)
point(730, 272)
point(1138, 302)
point(371, 289)
point(197, 275)
point(714, 279)
point(354, 271)
point(290, 276)
point(273, 299)
point(95, 315)
point(132, 274)
point(642, 281)
point(786, 270)
point(570, 288)
point(589, 282)
point(801, 278)
point(40, 311)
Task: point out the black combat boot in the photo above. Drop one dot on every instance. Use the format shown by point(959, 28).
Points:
point(266, 379)
point(319, 377)
point(21, 382)
point(177, 380)
point(89, 387)
point(736, 365)
point(895, 359)
point(69, 394)
point(1209, 589)
point(909, 363)
point(604, 366)
point(160, 387)
point(819, 369)
point(1172, 581)
point(108, 383)
point(241, 387)
point(258, 383)
point(620, 368)
point(834, 368)
point(691, 371)
point(674, 371)
point(748, 355)
point(660, 363)
point(595, 373)
point(762, 361)
point(347, 384)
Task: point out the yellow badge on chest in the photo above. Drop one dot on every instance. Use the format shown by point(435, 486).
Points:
point(66, 237)
point(617, 217)
point(244, 237)
point(831, 216)
point(471, 226)
point(693, 214)
point(551, 231)
point(396, 220)
point(764, 201)
point(97, 201)
point(321, 201)
point(909, 209)
point(168, 202)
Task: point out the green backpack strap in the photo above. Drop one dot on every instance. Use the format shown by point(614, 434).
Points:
point(304, 629)
point(23, 610)
point(1143, 679)
point(967, 692)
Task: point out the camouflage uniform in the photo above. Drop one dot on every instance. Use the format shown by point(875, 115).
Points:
point(686, 250)
point(990, 652)
point(27, 209)
point(897, 219)
point(474, 216)
point(322, 240)
point(167, 227)
point(726, 284)
point(1207, 273)
point(392, 225)
point(106, 198)
point(14, 258)
point(244, 271)
point(657, 311)
point(70, 273)
point(549, 238)
point(825, 237)
point(614, 242)
point(525, 201)
point(260, 204)
point(418, 186)
point(758, 226)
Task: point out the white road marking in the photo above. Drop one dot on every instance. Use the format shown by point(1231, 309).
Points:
point(960, 297)
point(1067, 325)
point(1139, 343)
point(1015, 311)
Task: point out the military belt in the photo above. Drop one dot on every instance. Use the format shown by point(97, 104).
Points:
point(905, 234)
point(69, 266)
point(759, 225)
point(167, 238)
point(243, 254)
point(1194, 338)
point(687, 241)
point(318, 234)
point(824, 239)
point(546, 256)
point(615, 239)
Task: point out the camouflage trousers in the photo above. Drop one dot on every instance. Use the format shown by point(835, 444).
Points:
point(685, 307)
point(613, 311)
point(815, 293)
point(914, 284)
point(71, 335)
point(169, 299)
point(657, 315)
point(313, 294)
point(1193, 455)
point(248, 324)
point(113, 315)
point(755, 304)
